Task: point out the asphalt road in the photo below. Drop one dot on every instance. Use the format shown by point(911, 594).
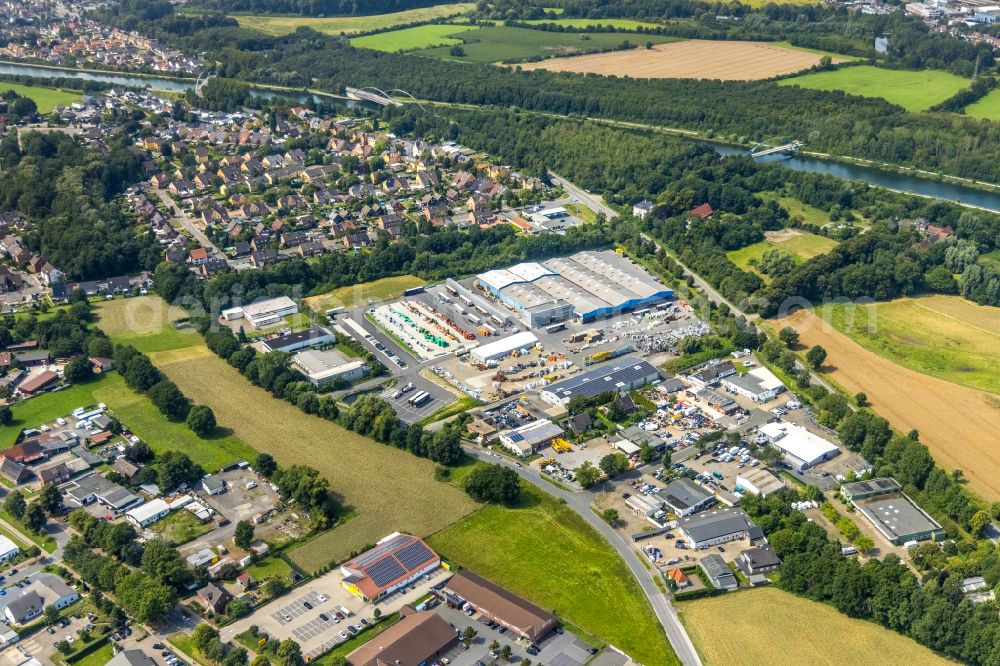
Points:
point(184, 220)
point(580, 502)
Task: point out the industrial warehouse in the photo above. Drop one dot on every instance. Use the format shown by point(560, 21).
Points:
point(625, 375)
point(394, 562)
point(586, 286)
point(891, 512)
point(500, 605)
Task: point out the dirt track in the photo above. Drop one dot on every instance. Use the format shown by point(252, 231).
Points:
point(960, 426)
point(690, 59)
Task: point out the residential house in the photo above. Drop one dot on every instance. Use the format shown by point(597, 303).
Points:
point(214, 598)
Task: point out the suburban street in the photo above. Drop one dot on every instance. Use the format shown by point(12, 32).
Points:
point(580, 502)
point(184, 220)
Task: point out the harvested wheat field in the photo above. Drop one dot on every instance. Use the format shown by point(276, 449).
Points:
point(384, 489)
point(771, 626)
point(958, 424)
point(388, 489)
point(690, 59)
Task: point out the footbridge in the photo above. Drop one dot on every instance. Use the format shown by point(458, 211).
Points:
point(761, 149)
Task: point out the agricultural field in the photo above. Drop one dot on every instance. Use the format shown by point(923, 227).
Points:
point(912, 90)
point(771, 626)
point(45, 98)
point(547, 553)
point(146, 323)
point(911, 400)
point(692, 59)
point(505, 44)
point(620, 24)
point(801, 244)
point(986, 108)
point(359, 294)
point(282, 25)
point(384, 488)
point(409, 39)
point(943, 336)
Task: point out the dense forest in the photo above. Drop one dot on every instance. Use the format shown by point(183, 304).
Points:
point(628, 165)
point(828, 121)
point(313, 7)
point(66, 191)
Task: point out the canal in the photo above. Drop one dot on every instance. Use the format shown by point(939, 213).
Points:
point(901, 182)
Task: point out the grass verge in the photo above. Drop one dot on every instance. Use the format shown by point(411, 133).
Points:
point(544, 551)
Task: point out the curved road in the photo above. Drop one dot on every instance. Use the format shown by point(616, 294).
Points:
point(580, 502)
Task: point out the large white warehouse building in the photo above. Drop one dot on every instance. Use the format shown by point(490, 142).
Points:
point(802, 449)
point(586, 285)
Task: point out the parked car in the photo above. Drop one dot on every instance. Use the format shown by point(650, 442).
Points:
point(307, 605)
point(324, 617)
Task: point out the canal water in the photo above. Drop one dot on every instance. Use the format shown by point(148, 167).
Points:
point(902, 182)
point(153, 82)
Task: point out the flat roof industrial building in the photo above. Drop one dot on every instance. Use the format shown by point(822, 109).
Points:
point(685, 497)
point(586, 285)
point(326, 367)
point(714, 527)
point(623, 374)
point(896, 517)
point(498, 349)
point(759, 481)
point(801, 447)
point(314, 336)
point(528, 438)
point(263, 313)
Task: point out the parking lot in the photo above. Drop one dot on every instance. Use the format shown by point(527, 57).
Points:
point(290, 617)
point(558, 649)
point(42, 644)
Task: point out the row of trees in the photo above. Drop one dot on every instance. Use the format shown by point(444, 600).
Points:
point(932, 610)
point(831, 121)
point(142, 376)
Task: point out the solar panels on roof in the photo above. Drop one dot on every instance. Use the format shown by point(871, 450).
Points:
point(414, 555)
point(385, 571)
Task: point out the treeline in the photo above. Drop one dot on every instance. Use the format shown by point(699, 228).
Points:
point(146, 580)
point(64, 333)
point(142, 376)
point(863, 127)
point(629, 165)
point(86, 85)
point(932, 610)
point(66, 191)
point(435, 256)
point(157, 19)
point(312, 7)
point(368, 415)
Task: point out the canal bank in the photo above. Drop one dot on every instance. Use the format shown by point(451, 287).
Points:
point(165, 83)
point(903, 180)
